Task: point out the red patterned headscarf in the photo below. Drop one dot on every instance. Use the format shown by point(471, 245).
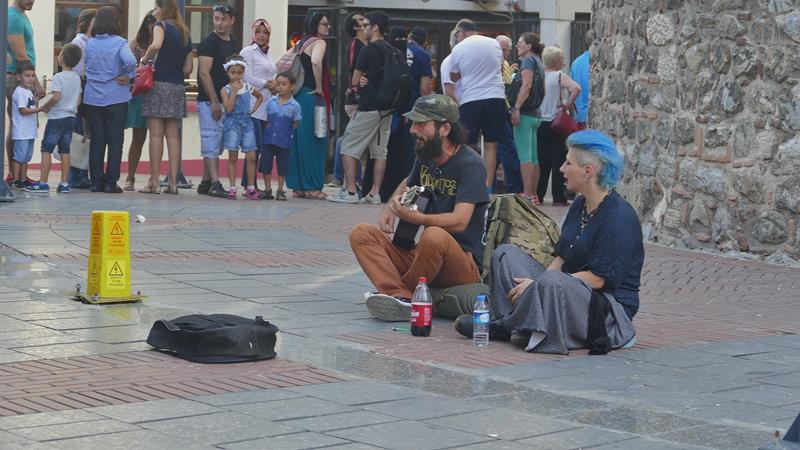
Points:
point(257, 23)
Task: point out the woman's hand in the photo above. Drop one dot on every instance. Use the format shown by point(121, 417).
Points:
point(270, 84)
point(318, 91)
point(522, 284)
point(515, 117)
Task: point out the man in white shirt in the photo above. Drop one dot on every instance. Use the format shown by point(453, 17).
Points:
point(476, 64)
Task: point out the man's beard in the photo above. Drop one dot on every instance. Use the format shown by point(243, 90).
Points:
point(429, 149)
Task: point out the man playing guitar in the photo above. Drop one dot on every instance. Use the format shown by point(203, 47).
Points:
point(450, 247)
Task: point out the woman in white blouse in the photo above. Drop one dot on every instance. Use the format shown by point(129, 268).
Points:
point(260, 72)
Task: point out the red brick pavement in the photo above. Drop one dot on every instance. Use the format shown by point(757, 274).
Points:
point(110, 379)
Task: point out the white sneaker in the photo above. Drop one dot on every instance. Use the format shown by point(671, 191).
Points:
point(371, 199)
point(388, 308)
point(343, 197)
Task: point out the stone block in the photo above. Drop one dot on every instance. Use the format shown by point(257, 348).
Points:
point(787, 159)
point(358, 392)
point(660, 29)
point(790, 24)
point(787, 194)
point(711, 180)
point(410, 435)
point(770, 228)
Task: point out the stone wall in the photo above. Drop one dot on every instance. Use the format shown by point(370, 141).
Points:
point(703, 98)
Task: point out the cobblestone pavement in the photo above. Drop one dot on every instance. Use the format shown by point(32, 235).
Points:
point(717, 363)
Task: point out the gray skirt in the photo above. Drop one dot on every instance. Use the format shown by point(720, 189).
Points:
point(554, 308)
point(165, 101)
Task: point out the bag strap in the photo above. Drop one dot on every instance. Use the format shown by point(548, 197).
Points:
point(560, 94)
point(307, 43)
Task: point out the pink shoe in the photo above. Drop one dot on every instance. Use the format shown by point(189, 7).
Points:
point(252, 195)
point(232, 193)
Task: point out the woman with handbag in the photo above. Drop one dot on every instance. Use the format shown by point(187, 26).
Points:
point(165, 104)
point(136, 120)
point(309, 152)
point(109, 68)
point(552, 147)
point(525, 113)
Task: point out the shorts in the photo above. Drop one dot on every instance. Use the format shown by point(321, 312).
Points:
point(239, 135)
point(210, 131)
point(281, 156)
point(367, 129)
point(23, 150)
point(488, 116)
point(58, 133)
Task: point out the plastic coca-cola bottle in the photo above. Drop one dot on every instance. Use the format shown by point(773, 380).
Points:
point(421, 309)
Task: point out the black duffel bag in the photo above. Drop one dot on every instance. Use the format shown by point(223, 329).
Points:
point(215, 338)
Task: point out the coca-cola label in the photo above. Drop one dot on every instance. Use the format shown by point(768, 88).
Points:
point(421, 314)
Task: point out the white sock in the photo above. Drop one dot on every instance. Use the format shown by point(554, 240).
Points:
point(251, 188)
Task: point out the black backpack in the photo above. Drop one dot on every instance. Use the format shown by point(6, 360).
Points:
point(396, 82)
point(215, 338)
point(534, 100)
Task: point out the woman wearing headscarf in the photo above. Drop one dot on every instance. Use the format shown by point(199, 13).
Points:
point(596, 272)
point(260, 72)
point(309, 153)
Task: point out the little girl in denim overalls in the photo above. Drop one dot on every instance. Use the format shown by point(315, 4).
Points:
point(239, 133)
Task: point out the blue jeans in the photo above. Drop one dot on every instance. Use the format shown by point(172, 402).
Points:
point(507, 155)
point(107, 127)
point(258, 126)
point(58, 133)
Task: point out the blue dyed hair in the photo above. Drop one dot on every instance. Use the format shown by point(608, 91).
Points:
point(599, 145)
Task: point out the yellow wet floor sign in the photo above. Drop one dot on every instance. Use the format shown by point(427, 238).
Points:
point(109, 268)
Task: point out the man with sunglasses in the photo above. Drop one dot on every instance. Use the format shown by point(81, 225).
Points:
point(450, 249)
point(211, 54)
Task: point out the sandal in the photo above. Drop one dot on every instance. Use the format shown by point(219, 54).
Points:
point(149, 189)
point(172, 190)
point(129, 184)
point(316, 195)
point(280, 196)
point(298, 194)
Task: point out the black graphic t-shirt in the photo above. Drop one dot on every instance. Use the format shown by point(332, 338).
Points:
point(462, 179)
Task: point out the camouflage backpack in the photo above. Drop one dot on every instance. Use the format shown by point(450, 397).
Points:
point(513, 219)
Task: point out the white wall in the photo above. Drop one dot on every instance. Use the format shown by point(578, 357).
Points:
point(42, 18)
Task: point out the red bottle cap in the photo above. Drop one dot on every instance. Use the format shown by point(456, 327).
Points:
point(423, 280)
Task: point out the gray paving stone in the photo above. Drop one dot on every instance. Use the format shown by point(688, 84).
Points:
point(791, 380)
point(219, 428)
point(762, 394)
point(298, 441)
point(719, 436)
point(129, 440)
point(676, 357)
point(295, 297)
point(67, 430)
point(647, 444)
point(576, 438)
point(425, 407)
point(408, 435)
point(501, 423)
point(544, 403)
point(74, 324)
point(458, 385)
point(323, 307)
point(290, 408)
point(236, 398)
point(76, 349)
point(531, 371)
point(357, 392)
point(7, 440)
point(154, 410)
point(742, 412)
point(496, 445)
point(48, 418)
point(355, 446)
point(340, 421)
point(786, 356)
point(635, 420)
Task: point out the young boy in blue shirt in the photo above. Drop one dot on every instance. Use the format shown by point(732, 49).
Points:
point(283, 117)
point(61, 109)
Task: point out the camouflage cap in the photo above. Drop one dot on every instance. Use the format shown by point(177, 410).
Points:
point(440, 108)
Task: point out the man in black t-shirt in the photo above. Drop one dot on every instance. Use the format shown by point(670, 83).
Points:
point(450, 249)
point(211, 54)
point(369, 127)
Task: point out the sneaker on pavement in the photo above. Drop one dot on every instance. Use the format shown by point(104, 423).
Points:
point(216, 190)
point(9, 179)
point(267, 195)
point(63, 189)
point(343, 197)
point(388, 308)
point(334, 183)
point(204, 187)
point(38, 188)
point(17, 184)
point(371, 199)
point(252, 194)
point(280, 196)
point(30, 182)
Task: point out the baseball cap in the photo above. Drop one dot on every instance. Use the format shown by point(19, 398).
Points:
point(440, 108)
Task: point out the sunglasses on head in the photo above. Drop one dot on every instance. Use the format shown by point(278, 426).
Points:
point(223, 8)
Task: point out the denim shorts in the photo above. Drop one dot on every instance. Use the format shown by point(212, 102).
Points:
point(239, 135)
point(58, 132)
point(23, 150)
point(210, 131)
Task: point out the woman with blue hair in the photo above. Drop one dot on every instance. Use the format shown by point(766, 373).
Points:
point(599, 255)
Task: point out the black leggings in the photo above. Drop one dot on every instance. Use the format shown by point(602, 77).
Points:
point(552, 154)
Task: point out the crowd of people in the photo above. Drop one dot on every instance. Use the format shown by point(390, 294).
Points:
point(477, 75)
